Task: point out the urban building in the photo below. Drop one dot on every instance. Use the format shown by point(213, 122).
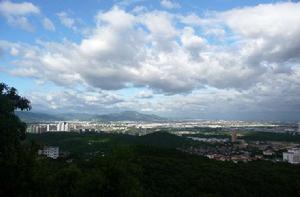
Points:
point(233, 136)
point(268, 152)
point(50, 151)
point(37, 128)
point(292, 156)
point(62, 126)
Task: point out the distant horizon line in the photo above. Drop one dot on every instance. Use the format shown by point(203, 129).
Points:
point(170, 118)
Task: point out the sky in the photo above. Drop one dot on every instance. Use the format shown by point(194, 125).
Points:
point(206, 59)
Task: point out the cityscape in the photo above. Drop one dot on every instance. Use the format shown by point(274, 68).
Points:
point(127, 126)
point(227, 148)
point(150, 98)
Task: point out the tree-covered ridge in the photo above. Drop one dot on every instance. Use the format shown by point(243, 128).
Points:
point(82, 143)
point(151, 171)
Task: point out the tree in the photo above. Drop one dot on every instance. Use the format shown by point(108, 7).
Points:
point(12, 132)
point(12, 129)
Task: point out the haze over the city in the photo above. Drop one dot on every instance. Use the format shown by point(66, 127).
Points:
point(186, 59)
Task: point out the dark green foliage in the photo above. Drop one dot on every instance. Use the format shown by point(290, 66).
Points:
point(201, 135)
point(82, 144)
point(175, 174)
point(14, 160)
point(11, 128)
point(154, 169)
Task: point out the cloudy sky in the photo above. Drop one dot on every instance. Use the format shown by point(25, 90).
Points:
point(216, 59)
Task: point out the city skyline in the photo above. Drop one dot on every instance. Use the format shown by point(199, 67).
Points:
point(209, 59)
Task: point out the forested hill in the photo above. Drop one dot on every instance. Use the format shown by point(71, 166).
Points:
point(151, 166)
point(153, 171)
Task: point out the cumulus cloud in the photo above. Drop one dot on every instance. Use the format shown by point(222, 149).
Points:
point(8, 8)
point(144, 94)
point(250, 53)
point(131, 49)
point(66, 20)
point(169, 4)
point(48, 24)
point(263, 29)
point(17, 14)
point(191, 41)
point(21, 22)
point(74, 101)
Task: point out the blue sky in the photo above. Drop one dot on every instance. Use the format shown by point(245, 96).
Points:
point(217, 59)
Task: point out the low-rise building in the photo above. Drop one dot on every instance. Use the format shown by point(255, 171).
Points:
point(268, 152)
point(292, 156)
point(50, 151)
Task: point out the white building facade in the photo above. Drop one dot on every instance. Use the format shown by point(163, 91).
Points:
point(63, 126)
point(292, 156)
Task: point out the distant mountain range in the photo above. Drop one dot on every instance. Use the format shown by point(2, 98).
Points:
point(122, 116)
point(35, 117)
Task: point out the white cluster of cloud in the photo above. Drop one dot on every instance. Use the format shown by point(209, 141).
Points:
point(48, 25)
point(169, 4)
point(233, 60)
point(66, 20)
point(18, 15)
point(74, 100)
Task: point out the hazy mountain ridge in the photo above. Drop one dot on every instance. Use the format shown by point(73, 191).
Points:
point(130, 116)
point(121, 116)
point(36, 117)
